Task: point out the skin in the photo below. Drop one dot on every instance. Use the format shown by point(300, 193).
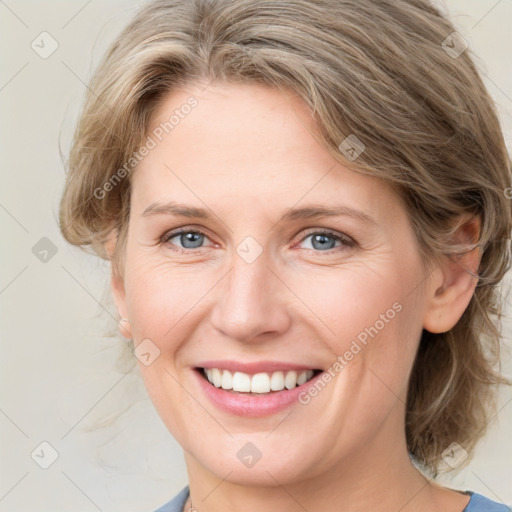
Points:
point(248, 153)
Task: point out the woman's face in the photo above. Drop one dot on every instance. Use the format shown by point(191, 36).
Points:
point(265, 282)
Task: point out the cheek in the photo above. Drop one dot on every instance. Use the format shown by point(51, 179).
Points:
point(367, 316)
point(160, 295)
point(348, 301)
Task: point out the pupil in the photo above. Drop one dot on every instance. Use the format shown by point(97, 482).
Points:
point(193, 238)
point(322, 240)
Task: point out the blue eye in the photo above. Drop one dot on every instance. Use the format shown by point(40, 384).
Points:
point(188, 240)
point(322, 241)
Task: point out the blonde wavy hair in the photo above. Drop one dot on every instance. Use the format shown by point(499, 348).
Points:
point(377, 69)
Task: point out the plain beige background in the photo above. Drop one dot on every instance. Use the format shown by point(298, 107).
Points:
point(57, 366)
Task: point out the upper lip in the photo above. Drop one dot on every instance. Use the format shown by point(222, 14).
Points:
point(254, 367)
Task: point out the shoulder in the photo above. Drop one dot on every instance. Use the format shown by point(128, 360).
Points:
point(177, 503)
point(479, 503)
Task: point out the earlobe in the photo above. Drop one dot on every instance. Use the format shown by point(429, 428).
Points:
point(118, 290)
point(453, 282)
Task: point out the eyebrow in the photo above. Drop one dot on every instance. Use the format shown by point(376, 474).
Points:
point(305, 212)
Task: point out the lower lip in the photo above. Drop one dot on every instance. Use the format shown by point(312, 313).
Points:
point(252, 405)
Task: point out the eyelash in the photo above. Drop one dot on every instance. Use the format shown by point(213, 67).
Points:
point(345, 240)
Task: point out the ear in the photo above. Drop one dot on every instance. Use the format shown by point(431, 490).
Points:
point(118, 290)
point(451, 284)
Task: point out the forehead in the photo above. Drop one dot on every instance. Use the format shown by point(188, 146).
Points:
point(248, 143)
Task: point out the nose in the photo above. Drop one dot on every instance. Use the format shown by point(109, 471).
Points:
point(252, 302)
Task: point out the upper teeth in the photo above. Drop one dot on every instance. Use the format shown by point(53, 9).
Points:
point(257, 383)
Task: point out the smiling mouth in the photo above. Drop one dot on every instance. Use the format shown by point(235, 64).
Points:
point(258, 383)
